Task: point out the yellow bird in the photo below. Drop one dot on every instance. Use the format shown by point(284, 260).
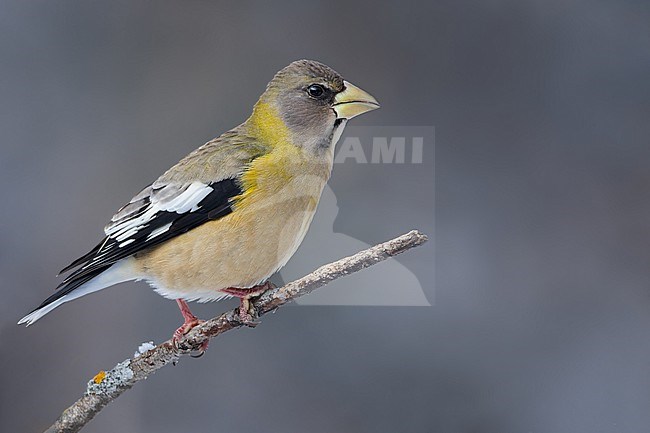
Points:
point(231, 213)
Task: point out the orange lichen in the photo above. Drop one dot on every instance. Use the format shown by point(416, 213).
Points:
point(99, 377)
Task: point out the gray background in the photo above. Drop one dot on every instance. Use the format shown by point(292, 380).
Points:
point(541, 305)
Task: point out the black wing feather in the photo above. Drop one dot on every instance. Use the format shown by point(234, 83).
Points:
point(215, 205)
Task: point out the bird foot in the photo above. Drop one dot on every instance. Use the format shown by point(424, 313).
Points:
point(186, 327)
point(190, 322)
point(247, 313)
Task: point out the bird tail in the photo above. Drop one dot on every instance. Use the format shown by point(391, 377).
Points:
point(117, 273)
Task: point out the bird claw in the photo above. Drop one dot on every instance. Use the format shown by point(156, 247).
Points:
point(248, 321)
point(245, 316)
point(186, 327)
point(199, 353)
point(190, 321)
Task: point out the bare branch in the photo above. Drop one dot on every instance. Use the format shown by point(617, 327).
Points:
point(107, 386)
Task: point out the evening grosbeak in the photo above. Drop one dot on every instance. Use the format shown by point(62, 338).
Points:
point(231, 213)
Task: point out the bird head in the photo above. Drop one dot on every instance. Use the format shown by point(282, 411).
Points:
point(308, 103)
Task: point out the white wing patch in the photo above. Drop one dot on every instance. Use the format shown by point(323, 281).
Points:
point(125, 243)
point(188, 200)
point(127, 232)
point(170, 198)
point(142, 211)
point(158, 213)
point(159, 231)
point(179, 201)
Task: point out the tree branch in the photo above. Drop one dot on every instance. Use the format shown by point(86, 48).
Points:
point(107, 386)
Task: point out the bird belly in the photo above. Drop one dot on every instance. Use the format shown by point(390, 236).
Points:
point(241, 249)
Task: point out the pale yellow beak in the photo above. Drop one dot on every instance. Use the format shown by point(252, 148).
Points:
point(353, 101)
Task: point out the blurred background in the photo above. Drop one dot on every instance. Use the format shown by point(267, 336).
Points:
point(539, 282)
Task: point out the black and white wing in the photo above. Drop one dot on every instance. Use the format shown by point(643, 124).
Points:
point(158, 213)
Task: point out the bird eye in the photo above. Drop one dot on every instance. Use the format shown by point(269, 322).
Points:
point(316, 91)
